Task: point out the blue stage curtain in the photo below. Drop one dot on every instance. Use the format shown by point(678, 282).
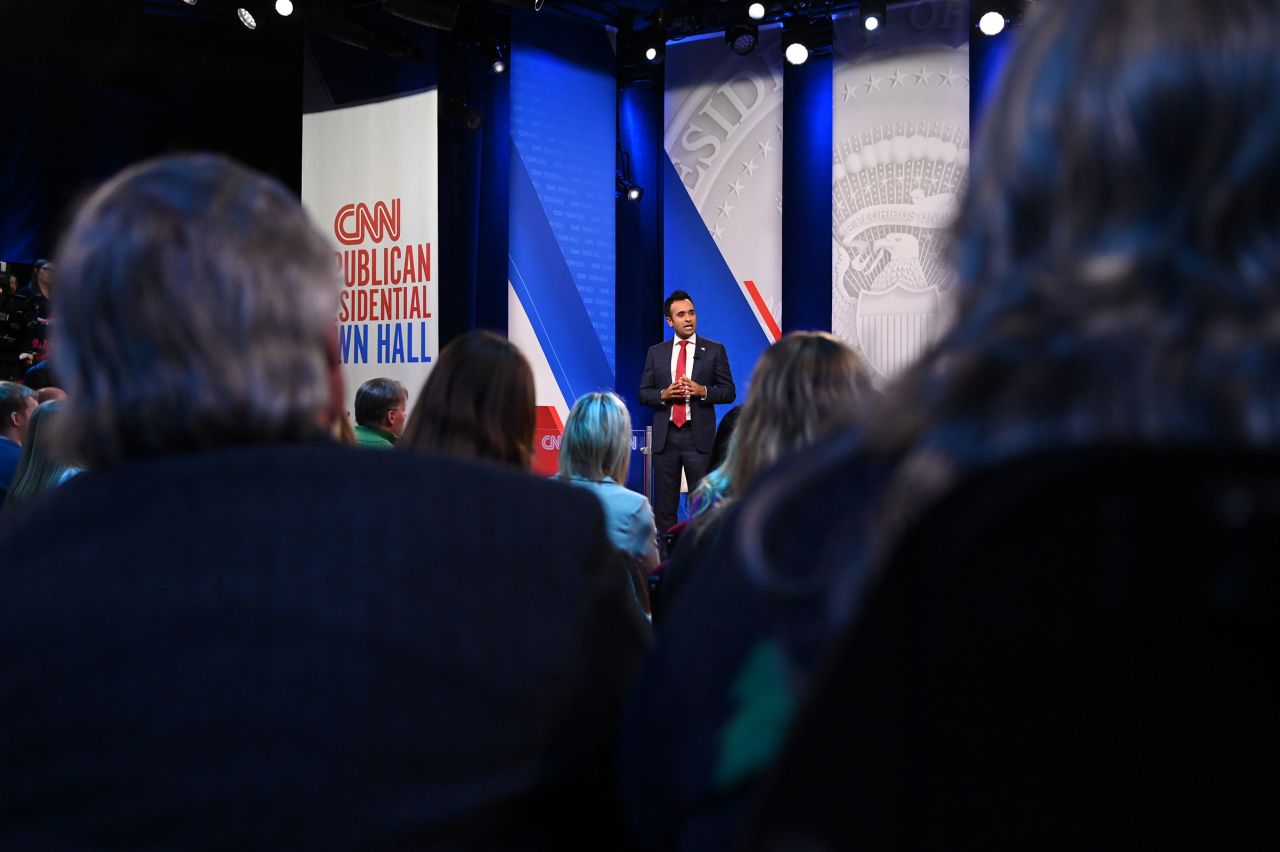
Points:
point(474, 168)
point(806, 194)
point(639, 282)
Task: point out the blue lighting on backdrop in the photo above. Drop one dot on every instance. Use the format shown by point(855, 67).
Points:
point(562, 126)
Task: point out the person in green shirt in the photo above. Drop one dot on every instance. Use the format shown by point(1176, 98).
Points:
point(381, 406)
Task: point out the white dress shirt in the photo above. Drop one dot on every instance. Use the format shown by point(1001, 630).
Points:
point(688, 368)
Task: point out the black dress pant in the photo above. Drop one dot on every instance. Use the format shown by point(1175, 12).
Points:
point(678, 452)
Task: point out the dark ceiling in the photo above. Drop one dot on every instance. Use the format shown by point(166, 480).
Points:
point(676, 18)
point(685, 15)
point(141, 39)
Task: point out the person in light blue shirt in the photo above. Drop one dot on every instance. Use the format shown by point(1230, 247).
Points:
point(595, 453)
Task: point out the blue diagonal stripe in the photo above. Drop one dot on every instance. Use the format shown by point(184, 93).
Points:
point(550, 297)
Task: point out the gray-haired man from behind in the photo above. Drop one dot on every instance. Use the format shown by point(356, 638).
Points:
point(227, 644)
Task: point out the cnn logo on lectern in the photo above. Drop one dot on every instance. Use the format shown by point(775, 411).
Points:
point(359, 223)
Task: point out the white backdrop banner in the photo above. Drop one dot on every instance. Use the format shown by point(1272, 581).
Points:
point(369, 180)
point(900, 156)
point(724, 137)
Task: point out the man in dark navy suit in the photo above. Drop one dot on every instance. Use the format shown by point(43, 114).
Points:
point(684, 380)
point(225, 643)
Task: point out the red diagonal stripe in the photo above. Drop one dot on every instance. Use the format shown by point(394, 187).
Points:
point(764, 311)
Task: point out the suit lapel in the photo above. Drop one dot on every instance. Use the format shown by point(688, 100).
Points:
point(666, 363)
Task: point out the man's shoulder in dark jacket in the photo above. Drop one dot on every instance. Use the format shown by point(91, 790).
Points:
point(311, 647)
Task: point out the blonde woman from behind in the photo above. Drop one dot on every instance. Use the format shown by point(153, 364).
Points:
point(595, 453)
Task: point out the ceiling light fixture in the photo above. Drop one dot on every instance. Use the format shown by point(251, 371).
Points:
point(497, 60)
point(992, 23)
point(742, 38)
point(873, 14)
point(656, 49)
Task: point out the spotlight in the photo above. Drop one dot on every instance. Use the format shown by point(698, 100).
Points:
point(497, 60)
point(284, 8)
point(189, 2)
point(803, 37)
point(246, 18)
point(742, 38)
point(992, 23)
point(537, 5)
point(628, 190)
point(656, 50)
point(872, 14)
point(755, 11)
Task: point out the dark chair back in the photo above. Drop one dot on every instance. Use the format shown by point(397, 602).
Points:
point(1068, 652)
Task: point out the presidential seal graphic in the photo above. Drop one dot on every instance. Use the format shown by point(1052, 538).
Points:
point(724, 138)
point(901, 156)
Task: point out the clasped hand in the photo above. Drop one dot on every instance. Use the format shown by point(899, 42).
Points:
point(682, 388)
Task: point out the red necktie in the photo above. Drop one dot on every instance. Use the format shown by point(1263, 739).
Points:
point(677, 414)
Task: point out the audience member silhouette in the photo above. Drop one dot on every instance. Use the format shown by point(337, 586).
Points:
point(226, 643)
point(1119, 292)
point(477, 403)
point(691, 753)
point(41, 466)
point(595, 453)
point(805, 387)
point(1092, 309)
point(16, 405)
point(380, 413)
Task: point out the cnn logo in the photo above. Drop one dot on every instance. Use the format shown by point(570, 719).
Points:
point(357, 223)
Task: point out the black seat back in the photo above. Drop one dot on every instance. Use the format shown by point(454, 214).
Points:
point(1072, 651)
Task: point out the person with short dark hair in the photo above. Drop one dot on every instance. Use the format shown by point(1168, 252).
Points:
point(683, 381)
point(477, 403)
point(225, 642)
point(42, 466)
point(16, 405)
point(380, 413)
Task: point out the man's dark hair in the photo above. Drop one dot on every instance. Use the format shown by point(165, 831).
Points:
point(13, 399)
point(677, 296)
point(375, 398)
